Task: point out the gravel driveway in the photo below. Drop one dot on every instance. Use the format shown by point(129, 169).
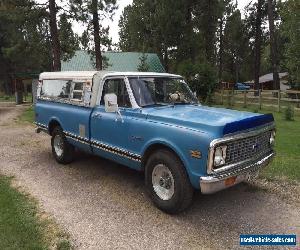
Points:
point(104, 206)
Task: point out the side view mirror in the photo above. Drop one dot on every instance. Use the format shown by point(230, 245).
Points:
point(111, 103)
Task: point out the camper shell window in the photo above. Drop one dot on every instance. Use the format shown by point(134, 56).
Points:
point(73, 91)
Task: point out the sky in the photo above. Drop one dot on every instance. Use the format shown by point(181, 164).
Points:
point(114, 29)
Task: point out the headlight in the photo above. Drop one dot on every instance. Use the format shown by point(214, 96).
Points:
point(220, 156)
point(272, 138)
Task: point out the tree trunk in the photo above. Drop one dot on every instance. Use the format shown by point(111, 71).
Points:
point(209, 41)
point(54, 36)
point(96, 35)
point(221, 50)
point(273, 45)
point(166, 59)
point(257, 45)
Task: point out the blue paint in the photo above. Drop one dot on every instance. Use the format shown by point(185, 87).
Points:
point(180, 127)
point(247, 123)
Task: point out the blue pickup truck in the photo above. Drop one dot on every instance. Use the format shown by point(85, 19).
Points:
point(152, 122)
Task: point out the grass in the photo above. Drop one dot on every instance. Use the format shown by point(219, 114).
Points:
point(12, 98)
point(20, 224)
point(287, 147)
point(27, 115)
point(7, 98)
point(19, 228)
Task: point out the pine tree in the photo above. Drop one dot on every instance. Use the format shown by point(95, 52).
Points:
point(56, 50)
point(290, 31)
point(257, 45)
point(273, 44)
point(92, 12)
point(69, 41)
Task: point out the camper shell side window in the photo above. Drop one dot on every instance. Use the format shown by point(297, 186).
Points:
point(73, 91)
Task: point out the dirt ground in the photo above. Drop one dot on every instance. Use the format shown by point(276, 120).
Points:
point(104, 206)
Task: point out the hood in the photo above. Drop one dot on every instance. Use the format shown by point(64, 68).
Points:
point(208, 119)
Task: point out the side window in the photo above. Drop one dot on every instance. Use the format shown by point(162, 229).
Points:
point(56, 88)
point(118, 87)
point(77, 91)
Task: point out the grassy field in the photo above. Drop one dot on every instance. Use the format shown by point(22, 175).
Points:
point(20, 226)
point(286, 162)
point(287, 146)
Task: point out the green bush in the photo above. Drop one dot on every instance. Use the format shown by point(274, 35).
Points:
point(289, 113)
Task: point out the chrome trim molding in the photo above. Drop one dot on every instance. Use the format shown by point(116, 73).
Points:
point(64, 101)
point(215, 182)
point(77, 138)
point(230, 138)
point(41, 125)
point(104, 147)
point(41, 128)
point(116, 150)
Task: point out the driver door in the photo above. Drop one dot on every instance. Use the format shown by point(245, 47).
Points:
point(109, 131)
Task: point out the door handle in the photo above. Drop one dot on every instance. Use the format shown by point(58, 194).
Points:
point(97, 115)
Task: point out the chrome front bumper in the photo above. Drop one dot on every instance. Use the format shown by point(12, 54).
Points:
point(219, 181)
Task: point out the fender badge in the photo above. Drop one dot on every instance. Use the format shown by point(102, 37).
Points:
point(195, 154)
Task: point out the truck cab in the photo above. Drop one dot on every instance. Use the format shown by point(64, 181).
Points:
point(152, 122)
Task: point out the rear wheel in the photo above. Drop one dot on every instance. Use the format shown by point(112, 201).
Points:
point(62, 151)
point(167, 182)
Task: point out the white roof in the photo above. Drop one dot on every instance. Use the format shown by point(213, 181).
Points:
point(90, 74)
point(67, 74)
point(140, 74)
point(269, 77)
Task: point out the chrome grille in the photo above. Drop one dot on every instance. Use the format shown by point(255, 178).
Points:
point(247, 148)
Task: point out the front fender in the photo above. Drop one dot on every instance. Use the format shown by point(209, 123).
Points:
point(168, 144)
point(195, 168)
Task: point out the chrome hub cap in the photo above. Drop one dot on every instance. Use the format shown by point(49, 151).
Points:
point(163, 182)
point(58, 145)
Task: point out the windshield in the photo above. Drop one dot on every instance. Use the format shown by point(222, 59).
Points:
point(149, 91)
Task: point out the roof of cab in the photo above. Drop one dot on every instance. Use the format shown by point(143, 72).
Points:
point(90, 74)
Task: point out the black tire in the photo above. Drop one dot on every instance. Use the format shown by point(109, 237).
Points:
point(183, 190)
point(67, 150)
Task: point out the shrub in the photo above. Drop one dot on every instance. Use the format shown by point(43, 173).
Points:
point(289, 113)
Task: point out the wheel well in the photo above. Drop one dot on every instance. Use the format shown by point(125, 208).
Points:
point(52, 125)
point(151, 149)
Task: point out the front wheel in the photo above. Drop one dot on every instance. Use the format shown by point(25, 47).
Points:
point(63, 152)
point(167, 182)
